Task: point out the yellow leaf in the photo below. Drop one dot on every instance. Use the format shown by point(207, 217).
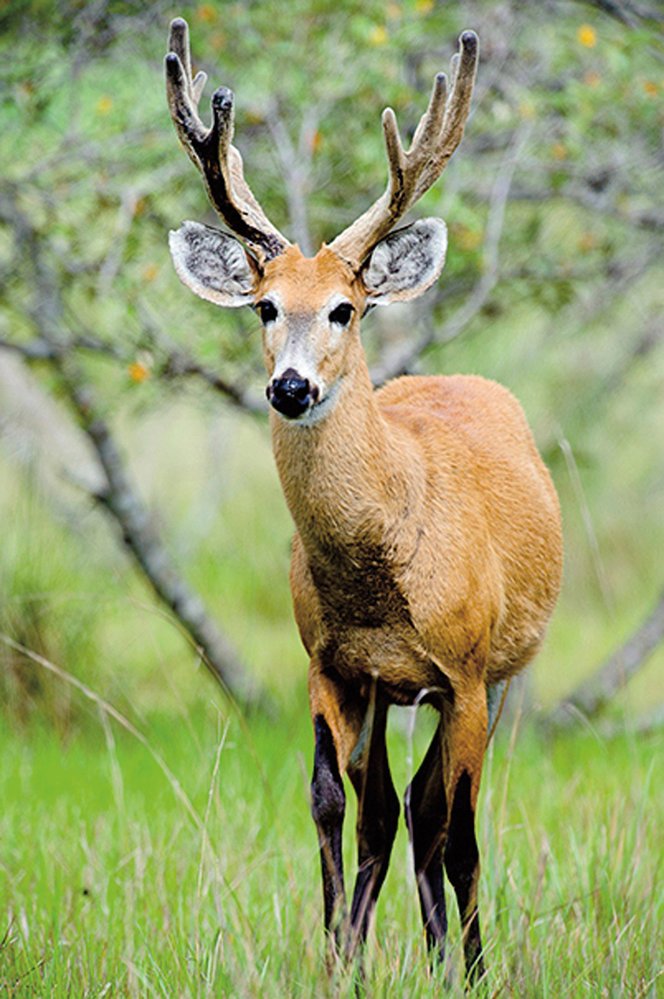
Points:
point(206, 13)
point(423, 6)
point(150, 272)
point(651, 88)
point(104, 104)
point(587, 36)
point(466, 238)
point(378, 35)
point(587, 242)
point(138, 372)
point(559, 151)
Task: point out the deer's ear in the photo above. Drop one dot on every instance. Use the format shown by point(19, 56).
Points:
point(405, 263)
point(213, 264)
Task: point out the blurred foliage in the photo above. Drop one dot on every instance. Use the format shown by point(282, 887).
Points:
point(572, 323)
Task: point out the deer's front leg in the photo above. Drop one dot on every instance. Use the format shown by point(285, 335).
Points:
point(377, 815)
point(337, 722)
point(328, 805)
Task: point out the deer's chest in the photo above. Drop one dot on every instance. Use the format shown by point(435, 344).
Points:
point(359, 588)
point(361, 626)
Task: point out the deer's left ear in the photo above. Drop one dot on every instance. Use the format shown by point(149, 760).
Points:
point(405, 263)
point(213, 264)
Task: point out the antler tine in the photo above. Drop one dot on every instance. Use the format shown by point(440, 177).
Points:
point(412, 173)
point(178, 42)
point(431, 121)
point(211, 149)
point(454, 67)
point(396, 156)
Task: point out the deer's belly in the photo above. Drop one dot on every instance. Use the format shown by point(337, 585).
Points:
point(392, 656)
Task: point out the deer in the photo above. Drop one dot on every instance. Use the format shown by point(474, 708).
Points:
point(427, 554)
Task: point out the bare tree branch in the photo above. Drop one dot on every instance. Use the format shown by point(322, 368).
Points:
point(111, 265)
point(593, 695)
point(582, 194)
point(625, 11)
point(295, 162)
point(179, 364)
point(173, 362)
point(53, 344)
point(138, 534)
point(32, 350)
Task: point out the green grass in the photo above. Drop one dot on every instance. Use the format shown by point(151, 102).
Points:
point(187, 864)
point(196, 873)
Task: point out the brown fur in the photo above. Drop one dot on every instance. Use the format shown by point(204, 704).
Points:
point(426, 563)
point(428, 527)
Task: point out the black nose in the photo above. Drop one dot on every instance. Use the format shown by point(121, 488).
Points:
point(291, 395)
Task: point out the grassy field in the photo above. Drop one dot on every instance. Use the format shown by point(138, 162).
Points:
point(169, 850)
point(180, 859)
point(177, 856)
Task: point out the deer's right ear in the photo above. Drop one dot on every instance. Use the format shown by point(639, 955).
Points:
point(213, 264)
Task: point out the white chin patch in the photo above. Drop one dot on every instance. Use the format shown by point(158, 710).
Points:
point(319, 411)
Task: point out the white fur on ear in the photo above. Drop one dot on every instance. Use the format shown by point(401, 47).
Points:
point(405, 263)
point(213, 264)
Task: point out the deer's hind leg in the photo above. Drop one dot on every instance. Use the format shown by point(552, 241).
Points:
point(464, 744)
point(426, 818)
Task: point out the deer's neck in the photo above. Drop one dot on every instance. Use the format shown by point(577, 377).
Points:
point(348, 478)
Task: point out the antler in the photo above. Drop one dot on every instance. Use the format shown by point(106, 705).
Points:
point(412, 173)
point(211, 149)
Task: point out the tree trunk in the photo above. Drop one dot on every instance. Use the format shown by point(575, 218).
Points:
point(592, 696)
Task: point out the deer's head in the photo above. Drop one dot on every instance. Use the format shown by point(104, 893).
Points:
point(311, 308)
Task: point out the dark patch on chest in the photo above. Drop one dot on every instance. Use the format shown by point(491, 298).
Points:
point(357, 588)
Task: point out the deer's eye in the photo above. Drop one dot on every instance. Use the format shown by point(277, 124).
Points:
point(267, 310)
point(341, 314)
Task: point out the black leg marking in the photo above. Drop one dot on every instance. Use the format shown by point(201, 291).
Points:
point(462, 866)
point(377, 818)
point(426, 818)
point(328, 805)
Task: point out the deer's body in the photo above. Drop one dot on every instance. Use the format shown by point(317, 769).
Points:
point(428, 547)
point(427, 557)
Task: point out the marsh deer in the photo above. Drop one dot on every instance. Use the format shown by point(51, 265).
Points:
point(427, 555)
